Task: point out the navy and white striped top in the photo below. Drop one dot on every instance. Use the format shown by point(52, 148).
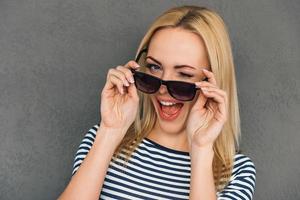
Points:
point(158, 172)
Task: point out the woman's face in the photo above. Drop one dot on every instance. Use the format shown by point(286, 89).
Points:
point(169, 48)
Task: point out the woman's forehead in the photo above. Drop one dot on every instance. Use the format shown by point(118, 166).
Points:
point(178, 46)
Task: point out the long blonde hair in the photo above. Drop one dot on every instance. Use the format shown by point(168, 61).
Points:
point(209, 25)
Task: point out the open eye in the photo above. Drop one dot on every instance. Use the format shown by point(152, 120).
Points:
point(153, 67)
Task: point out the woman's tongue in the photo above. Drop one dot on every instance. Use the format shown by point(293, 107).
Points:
point(171, 110)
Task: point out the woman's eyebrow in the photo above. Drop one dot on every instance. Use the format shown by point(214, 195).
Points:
point(176, 66)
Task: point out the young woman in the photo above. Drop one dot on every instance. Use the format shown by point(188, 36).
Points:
point(170, 124)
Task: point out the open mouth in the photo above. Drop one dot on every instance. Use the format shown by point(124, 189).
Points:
point(169, 110)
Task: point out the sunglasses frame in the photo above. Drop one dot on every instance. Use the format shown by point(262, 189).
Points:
point(165, 82)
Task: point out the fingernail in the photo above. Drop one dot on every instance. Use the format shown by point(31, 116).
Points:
point(131, 80)
point(204, 89)
point(126, 84)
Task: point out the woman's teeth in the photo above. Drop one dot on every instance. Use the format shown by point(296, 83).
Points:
point(164, 103)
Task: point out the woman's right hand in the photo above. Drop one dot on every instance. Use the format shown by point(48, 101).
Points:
point(119, 98)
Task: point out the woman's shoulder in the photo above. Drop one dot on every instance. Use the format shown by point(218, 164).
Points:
point(92, 131)
point(94, 128)
point(243, 179)
point(241, 159)
point(84, 147)
point(243, 166)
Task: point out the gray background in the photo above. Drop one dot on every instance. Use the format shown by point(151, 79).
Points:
point(54, 56)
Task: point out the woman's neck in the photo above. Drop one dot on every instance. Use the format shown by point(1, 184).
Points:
point(177, 141)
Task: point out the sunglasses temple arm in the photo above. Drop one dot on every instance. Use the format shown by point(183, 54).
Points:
point(132, 70)
point(206, 79)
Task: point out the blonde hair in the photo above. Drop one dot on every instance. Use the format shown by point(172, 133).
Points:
point(209, 25)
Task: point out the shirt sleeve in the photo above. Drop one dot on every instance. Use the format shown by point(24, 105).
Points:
point(84, 147)
point(242, 182)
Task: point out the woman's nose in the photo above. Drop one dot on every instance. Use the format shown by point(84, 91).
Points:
point(163, 89)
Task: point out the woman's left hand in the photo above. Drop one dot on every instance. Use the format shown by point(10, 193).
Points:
point(208, 114)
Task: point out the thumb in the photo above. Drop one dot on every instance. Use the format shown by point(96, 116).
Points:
point(132, 91)
point(201, 100)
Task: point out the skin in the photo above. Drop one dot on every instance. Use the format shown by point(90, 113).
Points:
point(170, 47)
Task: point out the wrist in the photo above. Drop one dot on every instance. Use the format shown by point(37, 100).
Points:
point(204, 154)
point(205, 148)
point(112, 134)
point(106, 128)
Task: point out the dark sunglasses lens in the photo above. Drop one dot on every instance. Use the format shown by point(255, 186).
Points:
point(146, 83)
point(182, 91)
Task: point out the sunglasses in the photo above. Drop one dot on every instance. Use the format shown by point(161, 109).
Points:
point(180, 90)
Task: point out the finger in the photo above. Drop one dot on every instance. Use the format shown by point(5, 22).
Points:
point(132, 65)
point(201, 101)
point(206, 84)
point(210, 76)
point(208, 90)
point(120, 75)
point(132, 91)
point(108, 85)
point(214, 89)
point(128, 74)
point(216, 96)
point(119, 83)
point(114, 81)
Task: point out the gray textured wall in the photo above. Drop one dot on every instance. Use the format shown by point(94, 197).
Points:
point(54, 57)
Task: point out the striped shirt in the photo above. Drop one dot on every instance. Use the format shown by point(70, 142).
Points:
point(158, 172)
